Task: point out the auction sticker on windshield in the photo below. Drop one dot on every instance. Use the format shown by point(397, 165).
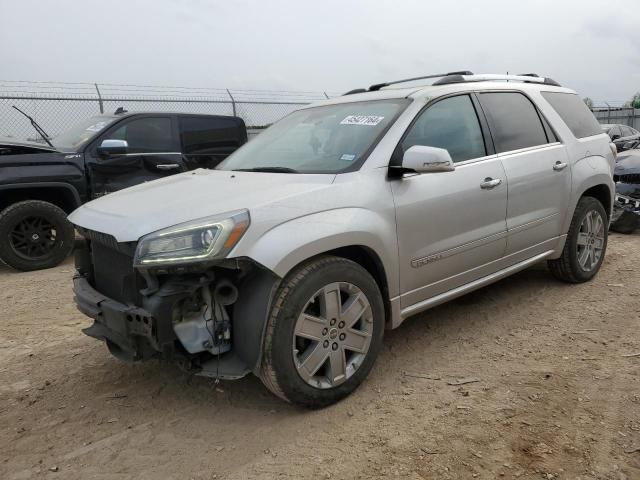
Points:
point(367, 120)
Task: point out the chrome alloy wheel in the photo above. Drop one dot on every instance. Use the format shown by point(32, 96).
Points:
point(332, 335)
point(590, 240)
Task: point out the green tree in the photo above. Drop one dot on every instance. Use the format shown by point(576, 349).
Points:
point(635, 101)
point(588, 102)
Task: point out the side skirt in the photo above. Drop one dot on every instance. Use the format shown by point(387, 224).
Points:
point(469, 287)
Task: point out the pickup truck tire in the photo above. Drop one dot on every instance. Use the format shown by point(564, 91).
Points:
point(335, 330)
point(588, 231)
point(34, 235)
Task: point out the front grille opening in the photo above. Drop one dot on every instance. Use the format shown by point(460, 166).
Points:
point(112, 269)
point(631, 178)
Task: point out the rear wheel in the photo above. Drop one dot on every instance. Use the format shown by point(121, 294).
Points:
point(324, 332)
point(34, 235)
point(586, 243)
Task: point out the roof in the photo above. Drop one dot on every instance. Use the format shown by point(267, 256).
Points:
point(432, 91)
point(179, 114)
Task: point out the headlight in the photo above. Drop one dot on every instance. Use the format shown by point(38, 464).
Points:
point(195, 241)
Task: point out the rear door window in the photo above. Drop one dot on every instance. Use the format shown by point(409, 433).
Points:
point(202, 135)
point(451, 124)
point(575, 113)
point(514, 120)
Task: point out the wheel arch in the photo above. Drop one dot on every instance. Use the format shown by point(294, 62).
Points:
point(368, 259)
point(603, 194)
point(257, 292)
point(59, 194)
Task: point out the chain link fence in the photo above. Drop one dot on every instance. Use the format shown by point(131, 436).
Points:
point(57, 106)
point(623, 115)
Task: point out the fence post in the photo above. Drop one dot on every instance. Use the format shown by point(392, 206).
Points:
point(233, 102)
point(99, 98)
point(608, 112)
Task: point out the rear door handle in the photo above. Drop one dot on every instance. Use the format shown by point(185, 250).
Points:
point(167, 166)
point(490, 183)
point(560, 166)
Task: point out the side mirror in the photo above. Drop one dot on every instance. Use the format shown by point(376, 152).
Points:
point(112, 147)
point(422, 159)
point(615, 137)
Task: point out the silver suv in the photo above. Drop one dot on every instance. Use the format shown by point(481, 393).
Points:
point(342, 220)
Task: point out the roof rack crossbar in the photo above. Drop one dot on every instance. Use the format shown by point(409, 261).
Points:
point(378, 86)
point(526, 78)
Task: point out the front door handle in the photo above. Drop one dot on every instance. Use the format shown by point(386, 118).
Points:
point(490, 183)
point(167, 166)
point(560, 166)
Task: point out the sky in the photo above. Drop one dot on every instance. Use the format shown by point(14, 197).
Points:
point(591, 46)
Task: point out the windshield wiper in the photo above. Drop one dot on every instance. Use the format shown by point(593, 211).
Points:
point(37, 127)
point(267, 169)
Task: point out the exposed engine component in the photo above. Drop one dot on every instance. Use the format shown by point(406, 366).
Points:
point(202, 322)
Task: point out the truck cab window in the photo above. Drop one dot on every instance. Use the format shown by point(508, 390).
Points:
point(146, 135)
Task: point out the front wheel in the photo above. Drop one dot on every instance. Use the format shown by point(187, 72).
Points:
point(324, 332)
point(34, 235)
point(586, 243)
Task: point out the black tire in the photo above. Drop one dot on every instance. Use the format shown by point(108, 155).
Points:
point(278, 370)
point(624, 229)
point(626, 224)
point(34, 235)
point(567, 268)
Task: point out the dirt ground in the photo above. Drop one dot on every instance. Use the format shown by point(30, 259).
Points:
point(558, 394)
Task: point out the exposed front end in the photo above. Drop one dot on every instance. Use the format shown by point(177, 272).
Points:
point(626, 208)
point(182, 313)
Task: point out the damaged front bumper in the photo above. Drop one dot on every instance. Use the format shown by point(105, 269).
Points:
point(130, 333)
point(210, 323)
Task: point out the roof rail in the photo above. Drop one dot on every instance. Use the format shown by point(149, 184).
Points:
point(526, 78)
point(355, 90)
point(378, 86)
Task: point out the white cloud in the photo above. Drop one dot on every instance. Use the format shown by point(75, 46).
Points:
point(331, 45)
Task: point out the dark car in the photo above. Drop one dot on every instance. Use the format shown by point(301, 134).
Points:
point(40, 184)
point(621, 135)
point(626, 211)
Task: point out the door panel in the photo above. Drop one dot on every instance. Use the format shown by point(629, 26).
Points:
point(153, 152)
point(447, 224)
point(537, 169)
point(538, 195)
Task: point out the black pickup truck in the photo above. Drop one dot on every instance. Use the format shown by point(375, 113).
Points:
point(41, 183)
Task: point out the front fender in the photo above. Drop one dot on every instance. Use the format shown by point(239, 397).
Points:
point(288, 244)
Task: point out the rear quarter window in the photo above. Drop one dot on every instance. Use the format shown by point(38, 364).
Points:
point(574, 113)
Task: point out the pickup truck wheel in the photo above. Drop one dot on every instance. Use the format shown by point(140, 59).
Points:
point(324, 332)
point(34, 235)
point(586, 243)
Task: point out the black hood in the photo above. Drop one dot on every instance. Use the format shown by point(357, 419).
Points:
point(627, 174)
point(29, 144)
point(628, 163)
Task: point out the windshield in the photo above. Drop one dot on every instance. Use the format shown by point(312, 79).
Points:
point(76, 137)
point(327, 139)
